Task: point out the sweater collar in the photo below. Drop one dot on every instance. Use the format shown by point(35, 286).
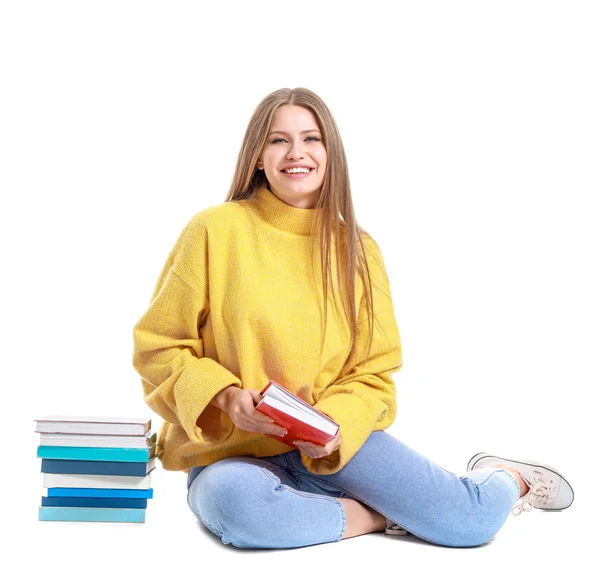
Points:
point(282, 215)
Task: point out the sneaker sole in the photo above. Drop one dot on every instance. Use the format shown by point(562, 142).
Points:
point(481, 455)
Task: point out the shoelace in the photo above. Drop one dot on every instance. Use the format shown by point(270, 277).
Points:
point(538, 494)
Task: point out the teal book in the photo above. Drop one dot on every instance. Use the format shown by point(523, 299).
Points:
point(96, 453)
point(99, 492)
point(90, 514)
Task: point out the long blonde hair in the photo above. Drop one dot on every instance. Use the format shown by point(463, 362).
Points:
point(335, 207)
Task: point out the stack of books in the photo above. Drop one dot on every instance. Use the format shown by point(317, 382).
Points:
point(96, 468)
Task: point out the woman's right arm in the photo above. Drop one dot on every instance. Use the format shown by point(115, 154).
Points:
point(180, 383)
point(178, 380)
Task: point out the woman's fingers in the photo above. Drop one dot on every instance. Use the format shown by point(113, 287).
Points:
point(245, 416)
point(260, 418)
point(313, 450)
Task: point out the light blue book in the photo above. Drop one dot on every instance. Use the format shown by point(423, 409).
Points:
point(99, 492)
point(93, 514)
point(96, 453)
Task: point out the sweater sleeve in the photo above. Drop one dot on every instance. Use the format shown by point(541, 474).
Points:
point(178, 381)
point(364, 399)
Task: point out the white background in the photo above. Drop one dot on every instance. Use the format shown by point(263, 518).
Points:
point(471, 132)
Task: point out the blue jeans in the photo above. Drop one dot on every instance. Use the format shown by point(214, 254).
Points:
point(275, 502)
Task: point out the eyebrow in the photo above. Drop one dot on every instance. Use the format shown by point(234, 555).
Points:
point(302, 132)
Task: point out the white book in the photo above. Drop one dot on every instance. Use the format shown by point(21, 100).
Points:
point(97, 440)
point(96, 481)
point(69, 424)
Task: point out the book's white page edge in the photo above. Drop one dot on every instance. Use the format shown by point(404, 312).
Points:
point(111, 440)
point(283, 397)
point(139, 438)
point(86, 428)
point(278, 392)
point(83, 443)
point(314, 420)
point(93, 419)
point(83, 480)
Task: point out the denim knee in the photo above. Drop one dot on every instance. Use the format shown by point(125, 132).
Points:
point(230, 499)
point(251, 504)
point(486, 509)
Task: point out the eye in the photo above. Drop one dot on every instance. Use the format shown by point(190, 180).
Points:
point(308, 138)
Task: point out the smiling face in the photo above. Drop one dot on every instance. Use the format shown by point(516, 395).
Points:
point(295, 142)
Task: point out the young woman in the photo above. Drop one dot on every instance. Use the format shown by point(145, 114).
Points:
point(250, 293)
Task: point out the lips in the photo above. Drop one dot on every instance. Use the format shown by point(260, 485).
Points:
point(297, 175)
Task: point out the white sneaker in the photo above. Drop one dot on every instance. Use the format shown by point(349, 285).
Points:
point(548, 489)
point(393, 529)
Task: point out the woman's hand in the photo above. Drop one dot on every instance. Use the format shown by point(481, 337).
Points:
point(313, 450)
point(239, 404)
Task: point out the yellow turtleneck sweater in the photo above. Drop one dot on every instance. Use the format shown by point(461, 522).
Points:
point(237, 303)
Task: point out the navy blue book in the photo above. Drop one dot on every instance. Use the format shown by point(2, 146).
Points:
point(51, 466)
point(105, 502)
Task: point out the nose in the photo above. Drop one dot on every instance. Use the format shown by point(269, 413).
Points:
point(295, 151)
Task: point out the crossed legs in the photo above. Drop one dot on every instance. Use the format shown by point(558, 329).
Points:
point(362, 520)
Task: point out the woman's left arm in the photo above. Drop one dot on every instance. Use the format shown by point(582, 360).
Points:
point(364, 399)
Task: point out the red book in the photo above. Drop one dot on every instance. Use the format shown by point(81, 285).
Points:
point(301, 420)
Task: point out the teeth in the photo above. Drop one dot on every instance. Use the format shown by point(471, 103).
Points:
point(297, 170)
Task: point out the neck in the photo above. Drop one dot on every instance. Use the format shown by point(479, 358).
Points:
point(282, 215)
